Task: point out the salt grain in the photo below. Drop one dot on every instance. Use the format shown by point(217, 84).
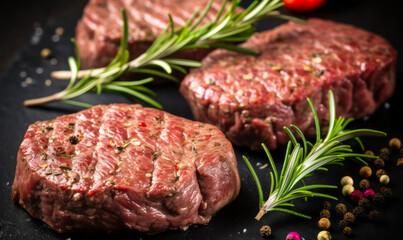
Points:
point(55, 38)
point(258, 164)
point(53, 61)
point(7, 183)
point(387, 105)
point(23, 74)
point(244, 230)
point(39, 70)
point(24, 84)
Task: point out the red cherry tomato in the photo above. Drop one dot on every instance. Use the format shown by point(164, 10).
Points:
point(303, 5)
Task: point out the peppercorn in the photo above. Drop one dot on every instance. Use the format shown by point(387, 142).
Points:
point(379, 163)
point(324, 213)
point(356, 195)
point(384, 179)
point(374, 215)
point(364, 184)
point(386, 192)
point(364, 203)
point(347, 190)
point(395, 143)
point(358, 211)
point(324, 235)
point(384, 156)
point(369, 152)
point(342, 224)
point(265, 231)
point(349, 217)
point(46, 53)
point(380, 172)
point(293, 236)
point(326, 205)
point(399, 161)
point(378, 198)
point(346, 180)
point(369, 193)
point(347, 231)
point(341, 208)
point(384, 150)
point(324, 223)
point(365, 172)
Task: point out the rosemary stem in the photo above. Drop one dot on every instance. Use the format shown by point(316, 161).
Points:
point(38, 101)
point(63, 75)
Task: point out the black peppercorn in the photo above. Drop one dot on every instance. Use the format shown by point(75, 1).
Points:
point(349, 217)
point(378, 198)
point(347, 231)
point(73, 140)
point(265, 231)
point(384, 156)
point(364, 184)
point(341, 208)
point(342, 224)
point(384, 150)
point(380, 172)
point(364, 203)
point(386, 192)
point(358, 211)
point(325, 213)
point(369, 152)
point(379, 163)
point(326, 205)
point(374, 215)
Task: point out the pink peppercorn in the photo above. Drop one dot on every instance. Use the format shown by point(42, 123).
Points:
point(369, 193)
point(293, 236)
point(356, 195)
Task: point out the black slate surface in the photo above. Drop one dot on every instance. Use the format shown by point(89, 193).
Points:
point(236, 221)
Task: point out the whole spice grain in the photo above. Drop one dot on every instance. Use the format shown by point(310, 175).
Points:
point(341, 209)
point(364, 203)
point(324, 223)
point(346, 180)
point(395, 143)
point(384, 156)
point(374, 215)
point(365, 172)
point(349, 217)
point(293, 236)
point(265, 231)
point(326, 205)
point(386, 192)
point(384, 179)
point(325, 213)
point(324, 235)
point(356, 195)
point(347, 190)
point(369, 152)
point(358, 211)
point(378, 199)
point(380, 172)
point(379, 163)
point(46, 53)
point(369, 193)
point(342, 224)
point(399, 162)
point(384, 150)
point(364, 184)
point(347, 231)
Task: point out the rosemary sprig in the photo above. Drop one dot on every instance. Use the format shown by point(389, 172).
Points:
point(229, 27)
point(301, 160)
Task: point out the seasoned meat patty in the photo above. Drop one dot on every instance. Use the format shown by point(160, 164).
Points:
point(124, 166)
point(251, 98)
point(99, 31)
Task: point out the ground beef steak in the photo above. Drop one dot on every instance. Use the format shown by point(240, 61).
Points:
point(99, 31)
point(251, 98)
point(124, 166)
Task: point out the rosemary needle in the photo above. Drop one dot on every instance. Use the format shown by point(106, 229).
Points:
point(301, 160)
point(228, 27)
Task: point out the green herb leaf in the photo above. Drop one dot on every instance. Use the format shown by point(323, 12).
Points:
point(301, 162)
